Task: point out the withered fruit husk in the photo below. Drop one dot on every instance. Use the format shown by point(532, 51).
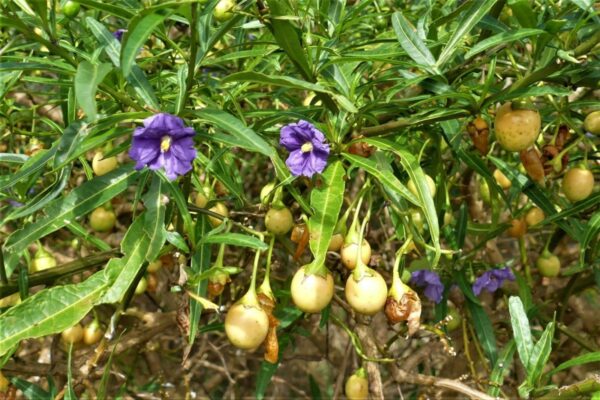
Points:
point(549, 154)
point(271, 341)
point(562, 137)
point(479, 132)
point(266, 303)
point(215, 288)
point(361, 149)
point(408, 308)
point(297, 232)
point(533, 164)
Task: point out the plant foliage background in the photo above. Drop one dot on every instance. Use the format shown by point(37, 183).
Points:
point(401, 91)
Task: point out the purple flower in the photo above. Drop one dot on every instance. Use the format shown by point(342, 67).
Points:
point(492, 280)
point(434, 288)
point(118, 34)
point(307, 147)
point(15, 203)
point(164, 142)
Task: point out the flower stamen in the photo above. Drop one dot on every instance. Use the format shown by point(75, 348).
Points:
point(306, 147)
point(165, 144)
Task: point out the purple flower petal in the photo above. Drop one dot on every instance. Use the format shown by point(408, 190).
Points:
point(434, 288)
point(118, 34)
point(164, 142)
point(307, 147)
point(492, 280)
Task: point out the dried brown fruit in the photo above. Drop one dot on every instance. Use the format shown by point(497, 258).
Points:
point(532, 162)
point(361, 149)
point(406, 308)
point(271, 341)
point(479, 132)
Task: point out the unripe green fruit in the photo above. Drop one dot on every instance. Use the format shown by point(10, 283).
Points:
point(548, 265)
point(101, 165)
point(102, 220)
point(141, 286)
point(246, 326)
point(578, 184)
point(516, 129)
point(349, 254)
point(73, 334)
point(224, 10)
point(42, 260)
point(311, 293)
point(430, 183)
point(71, 9)
point(592, 122)
point(357, 388)
point(368, 295)
point(484, 191)
point(279, 221)
point(455, 322)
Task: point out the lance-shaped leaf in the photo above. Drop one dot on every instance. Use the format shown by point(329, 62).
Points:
point(411, 42)
point(521, 329)
point(50, 311)
point(87, 79)
point(326, 201)
point(154, 218)
point(135, 247)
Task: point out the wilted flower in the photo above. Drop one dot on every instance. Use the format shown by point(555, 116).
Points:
point(492, 280)
point(307, 147)
point(118, 34)
point(164, 142)
point(434, 288)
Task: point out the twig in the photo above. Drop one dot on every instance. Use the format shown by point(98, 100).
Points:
point(401, 376)
point(365, 333)
point(578, 389)
point(339, 383)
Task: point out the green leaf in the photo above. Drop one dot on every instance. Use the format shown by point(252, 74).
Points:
point(200, 263)
point(154, 218)
point(590, 235)
point(181, 203)
point(230, 124)
point(50, 311)
point(410, 41)
point(139, 29)
point(235, 239)
point(177, 240)
point(288, 37)
point(385, 176)
point(540, 355)
point(502, 368)
point(470, 18)
point(283, 81)
point(581, 360)
point(31, 391)
point(265, 373)
point(61, 212)
point(521, 330)
point(87, 79)
point(70, 140)
point(502, 39)
point(135, 246)
point(326, 201)
point(33, 165)
point(484, 330)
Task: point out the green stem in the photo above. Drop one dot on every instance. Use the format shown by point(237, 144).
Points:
point(576, 390)
point(193, 54)
point(525, 262)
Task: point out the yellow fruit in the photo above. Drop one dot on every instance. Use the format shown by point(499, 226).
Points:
point(516, 130)
point(42, 260)
point(534, 216)
point(220, 209)
point(502, 180)
point(92, 333)
point(336, 243)
point(101, 165)
point(311, 293)
point(517, 229)
point(357, 388)
point(578, 184)
point(592, 122)
point(279, 221)
point(154, 266)
point(349, 254)
point(102, 220)
point(73, 334)
point(224, 10)
point(246, 326)
point(4, 383)
point(368, 295)
point(141, 286)
point(548, 265)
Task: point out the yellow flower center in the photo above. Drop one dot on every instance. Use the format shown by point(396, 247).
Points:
point(306, 147)
point(165, 144)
